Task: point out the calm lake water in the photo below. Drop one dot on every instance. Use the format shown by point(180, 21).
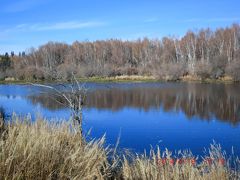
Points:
point(172, 115)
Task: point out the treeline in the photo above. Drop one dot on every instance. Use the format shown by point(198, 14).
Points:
point(202, 54)
point(5, 64)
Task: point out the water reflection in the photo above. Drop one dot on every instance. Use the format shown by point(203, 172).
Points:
point(172, 115)
point(206, 101)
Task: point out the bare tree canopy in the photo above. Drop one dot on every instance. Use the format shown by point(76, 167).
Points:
point(205, 53)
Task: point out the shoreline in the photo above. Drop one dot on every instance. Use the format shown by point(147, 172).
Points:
point(130, 79)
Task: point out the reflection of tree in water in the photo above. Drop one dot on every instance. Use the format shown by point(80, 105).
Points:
point(202, 100)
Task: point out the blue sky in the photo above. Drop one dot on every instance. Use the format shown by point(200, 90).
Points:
point(30, 23)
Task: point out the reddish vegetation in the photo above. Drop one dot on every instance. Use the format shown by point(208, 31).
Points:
point(181, 161)
point(209, 161)
point(189, 161)
point(221, 161)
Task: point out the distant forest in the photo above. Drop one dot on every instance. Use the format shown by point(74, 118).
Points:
point(204, 54)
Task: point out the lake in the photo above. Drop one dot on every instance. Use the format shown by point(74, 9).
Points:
point(172, 115)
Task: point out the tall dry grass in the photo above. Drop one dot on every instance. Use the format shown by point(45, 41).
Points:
point(43, 150)
point(183, 166)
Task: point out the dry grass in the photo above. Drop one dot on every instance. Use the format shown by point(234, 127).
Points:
point(44, 150)
point(137, 78)
point(134, 77)
point(183, 166)
point(191, 78)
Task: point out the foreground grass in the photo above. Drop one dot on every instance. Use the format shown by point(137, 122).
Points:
point(185, 167)
point(44, 150)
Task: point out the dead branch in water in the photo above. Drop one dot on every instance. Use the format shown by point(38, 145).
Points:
point(74, 95)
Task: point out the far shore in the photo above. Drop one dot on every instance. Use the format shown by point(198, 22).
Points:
point(127, 78)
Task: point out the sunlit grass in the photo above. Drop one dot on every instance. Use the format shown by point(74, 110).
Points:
point(47, 150)
point(43, 150)
point(215, 165)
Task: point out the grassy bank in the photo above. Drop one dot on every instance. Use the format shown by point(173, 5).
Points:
point(89, 79)
point(125, 78)
point(45, 150)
